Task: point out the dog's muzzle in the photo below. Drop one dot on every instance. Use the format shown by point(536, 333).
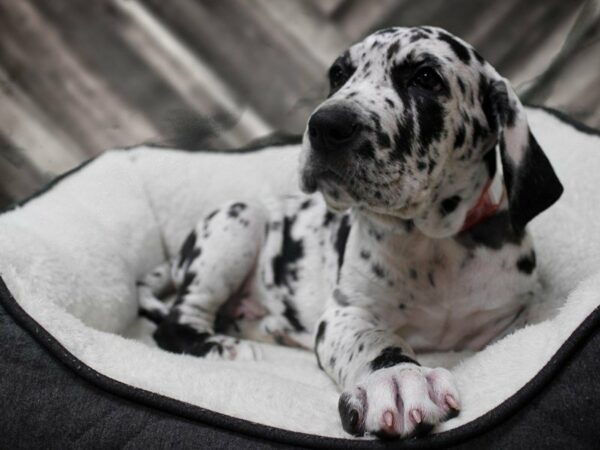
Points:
point(333, 133)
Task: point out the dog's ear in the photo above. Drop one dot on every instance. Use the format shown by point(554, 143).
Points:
point(531, 184)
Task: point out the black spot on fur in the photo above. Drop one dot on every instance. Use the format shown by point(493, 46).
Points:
point(366, 150)
point(341, 239)
point(459, 139)
point(449, 205)
point(152, 315)
point(459, 49)
point(378, 270)
point(306, 204)
point(392, 49)
point(320, 332)
point(211, 215)
point(284, 264)
point(389, 357)
point(291, 315)
point(375, 234)
point(329, 217)
point(236, 209)
point(383, 139)
point(365, 254)
point(430, 115)
point(526, 263)
point(403, 138)
point(493, 232)
point(188, 252)
point(182, 290)
point(390, 103)
point(180, 338)
point(417, 36)
point(389, 30)
point(479, 132)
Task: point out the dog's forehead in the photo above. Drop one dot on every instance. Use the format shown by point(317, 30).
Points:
point(392, 45)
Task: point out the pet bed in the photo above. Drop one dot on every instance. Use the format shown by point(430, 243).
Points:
point(78, 367)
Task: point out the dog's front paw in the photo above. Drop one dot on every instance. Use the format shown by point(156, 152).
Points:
point(399, 401)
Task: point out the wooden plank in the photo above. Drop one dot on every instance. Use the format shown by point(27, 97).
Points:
point(148, 68)
point(316, 34)
point(253, 54)
point(194, 81)
point(74, 96)
point(327, 7)
point(357, 18)
point(29, 129)
point(18, 177)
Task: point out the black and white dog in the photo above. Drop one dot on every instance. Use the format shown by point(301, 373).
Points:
point(420, 175)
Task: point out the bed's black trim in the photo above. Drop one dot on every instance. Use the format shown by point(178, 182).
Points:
point(48, 186)
point(274, 139)
point(460, 435)
point(263, 143)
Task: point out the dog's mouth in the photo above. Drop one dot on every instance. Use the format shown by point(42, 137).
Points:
point(316, 178)
point(340, 193)
point(331, 184)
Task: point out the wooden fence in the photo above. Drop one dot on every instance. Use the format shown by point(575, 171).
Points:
point(78, 77)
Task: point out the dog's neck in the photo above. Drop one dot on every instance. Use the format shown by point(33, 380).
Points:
point(489, 202)
point(463, 197)
point(456, 205)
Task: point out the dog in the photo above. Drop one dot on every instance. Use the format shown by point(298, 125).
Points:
point(419, 175)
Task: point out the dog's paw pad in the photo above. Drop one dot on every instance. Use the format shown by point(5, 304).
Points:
point(399, 401)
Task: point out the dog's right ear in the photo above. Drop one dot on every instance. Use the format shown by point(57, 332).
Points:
point(531, 184)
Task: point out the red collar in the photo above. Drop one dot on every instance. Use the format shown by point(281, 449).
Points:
point(487, 204)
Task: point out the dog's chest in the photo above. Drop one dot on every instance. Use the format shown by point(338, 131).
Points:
point(437, 294)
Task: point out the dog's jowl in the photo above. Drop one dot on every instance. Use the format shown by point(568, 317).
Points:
point(419, 175)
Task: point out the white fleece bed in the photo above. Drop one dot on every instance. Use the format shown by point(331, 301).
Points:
point(71, 256)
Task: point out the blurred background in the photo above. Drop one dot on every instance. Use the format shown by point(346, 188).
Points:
point(78, 77)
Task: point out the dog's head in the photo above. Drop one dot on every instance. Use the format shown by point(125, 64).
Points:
point(409, 131)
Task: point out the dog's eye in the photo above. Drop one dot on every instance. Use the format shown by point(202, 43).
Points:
point(427, 78)
point(338, 75)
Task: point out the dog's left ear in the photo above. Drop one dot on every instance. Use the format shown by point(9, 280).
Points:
point(531, 184)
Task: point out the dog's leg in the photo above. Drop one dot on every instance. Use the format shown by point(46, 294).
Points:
point(152, 290)
point(385, 390)
point(214, 262)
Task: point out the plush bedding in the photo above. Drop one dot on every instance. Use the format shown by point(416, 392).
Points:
point(70, 258)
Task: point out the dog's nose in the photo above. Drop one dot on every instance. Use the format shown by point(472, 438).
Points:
point(331, 128)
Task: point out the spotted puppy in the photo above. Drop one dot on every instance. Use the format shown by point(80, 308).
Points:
point(429, 175)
